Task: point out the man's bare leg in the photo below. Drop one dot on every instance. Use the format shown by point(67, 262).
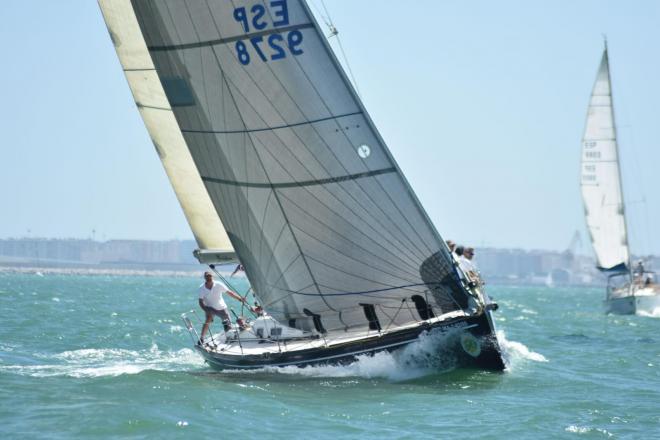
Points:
point(205, 327)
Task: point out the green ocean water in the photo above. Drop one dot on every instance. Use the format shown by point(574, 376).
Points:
point(108, 357)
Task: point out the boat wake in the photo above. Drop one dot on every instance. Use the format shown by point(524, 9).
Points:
point(107, 362)
point(517, 353)
point(433, 353)
point(655, 313)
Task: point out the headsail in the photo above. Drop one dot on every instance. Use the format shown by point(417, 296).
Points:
point(329, 232)
point(601, 177)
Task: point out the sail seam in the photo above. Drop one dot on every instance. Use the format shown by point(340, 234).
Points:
point(371, 125)
point(330, 149)
point(274, 192)
point(234, 213)
point(283, 271)
point(257, 86)
point(229, 39)
point(140, 69)
point(348, 193)
point(302, 183)
point(152, 107)
point(254, 130)
point(365, 292)
point(380, 257)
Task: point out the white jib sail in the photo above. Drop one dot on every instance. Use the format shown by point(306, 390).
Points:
point(163, 128)
point(601, 177)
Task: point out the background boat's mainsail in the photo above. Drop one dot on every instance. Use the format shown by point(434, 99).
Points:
point(601, 177)
point(329, 232)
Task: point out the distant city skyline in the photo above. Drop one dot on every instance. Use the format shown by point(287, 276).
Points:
point(500, 266)
point(482, 104)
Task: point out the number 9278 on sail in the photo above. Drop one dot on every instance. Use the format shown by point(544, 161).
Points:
point(270, 47)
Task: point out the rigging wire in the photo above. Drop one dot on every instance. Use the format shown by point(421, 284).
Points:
point(228, 284)
point(622, 108)
point(395, 315)
point(640, 238)
point(640, 184)
point(335, 33)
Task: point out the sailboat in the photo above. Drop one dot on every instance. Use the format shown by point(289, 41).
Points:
point(629, 290)
point(278, 166)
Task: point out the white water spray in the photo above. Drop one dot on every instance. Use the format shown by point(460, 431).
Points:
point(517, 353)
point(108, 362)
point(433, 352)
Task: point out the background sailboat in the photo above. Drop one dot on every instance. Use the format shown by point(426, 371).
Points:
point(258, 126)
point(629, 289)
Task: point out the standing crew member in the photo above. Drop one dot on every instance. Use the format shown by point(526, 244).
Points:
point(211, 301)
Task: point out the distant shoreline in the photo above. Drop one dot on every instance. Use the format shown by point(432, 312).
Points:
point(97, 271)
point(226, 271)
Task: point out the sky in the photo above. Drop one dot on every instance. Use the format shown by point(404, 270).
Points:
point(481, 103)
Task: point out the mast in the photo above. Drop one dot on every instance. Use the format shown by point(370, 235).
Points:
point(618, 156)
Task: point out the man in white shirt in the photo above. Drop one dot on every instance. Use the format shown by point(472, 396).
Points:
point(464, 260)
point(452, 247)
point(211, 301)
point(468, 266)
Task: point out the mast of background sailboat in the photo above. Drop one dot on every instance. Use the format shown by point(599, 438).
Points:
point(618, 157)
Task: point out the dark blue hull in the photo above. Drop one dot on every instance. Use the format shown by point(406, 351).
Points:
point(475, 346)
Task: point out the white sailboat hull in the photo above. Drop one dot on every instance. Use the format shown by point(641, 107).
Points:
point(642, 301)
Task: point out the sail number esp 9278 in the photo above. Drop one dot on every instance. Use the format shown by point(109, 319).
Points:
point(269, 47)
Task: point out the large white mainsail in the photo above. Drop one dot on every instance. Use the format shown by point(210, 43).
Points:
point(601, 177)
point(157, 114)
point(330, 234)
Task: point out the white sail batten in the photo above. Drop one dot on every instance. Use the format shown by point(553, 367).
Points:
point(164, 130)
point(602, 192)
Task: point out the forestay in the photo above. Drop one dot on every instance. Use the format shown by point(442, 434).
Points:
point(329, 232)
point(601, 177)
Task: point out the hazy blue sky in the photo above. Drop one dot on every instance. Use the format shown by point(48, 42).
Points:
point(481, 102)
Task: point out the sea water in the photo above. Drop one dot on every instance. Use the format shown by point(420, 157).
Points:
point(109, 357)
